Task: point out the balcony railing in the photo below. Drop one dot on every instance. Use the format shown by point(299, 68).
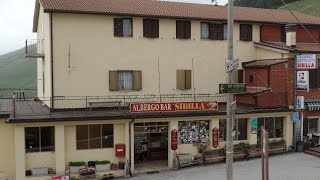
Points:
point(34, 48)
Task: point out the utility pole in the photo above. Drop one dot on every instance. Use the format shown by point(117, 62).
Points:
point(230, 113)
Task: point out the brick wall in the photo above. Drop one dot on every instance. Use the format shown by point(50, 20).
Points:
point(260, 77)
point(304, 37)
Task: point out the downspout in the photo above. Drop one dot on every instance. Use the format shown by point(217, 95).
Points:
point(51, 53)
point(129, 163)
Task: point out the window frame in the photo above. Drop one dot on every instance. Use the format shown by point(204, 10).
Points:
point(184, 75)
point(154, 25)
point(213, 29)
point(183, 29)
point(274, 130)
point(245, 32)
point(40, 147)
point(118, 27)
point(223, 131)
point(114, 80)
point(101, 146)
point(314, 77)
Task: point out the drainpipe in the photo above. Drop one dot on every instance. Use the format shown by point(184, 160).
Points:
point(51, 53)
point(129, 163)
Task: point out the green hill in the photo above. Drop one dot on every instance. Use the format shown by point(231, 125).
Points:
point(311, 7)
point(17, 73)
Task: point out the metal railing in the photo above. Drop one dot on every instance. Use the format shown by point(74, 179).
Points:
point(34, 47)
point(91, 105)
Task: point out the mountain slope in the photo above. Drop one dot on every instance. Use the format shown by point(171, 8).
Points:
point(17, 72)
point(311, 7)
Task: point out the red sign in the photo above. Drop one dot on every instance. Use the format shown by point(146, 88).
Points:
point(64, 177)
point(215, 137)
point(174, 139)
point(173, 106)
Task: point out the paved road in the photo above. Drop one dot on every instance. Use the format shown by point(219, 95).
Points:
point(294, 166)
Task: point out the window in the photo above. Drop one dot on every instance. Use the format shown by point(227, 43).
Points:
point(245, 32)
point(283, 34)
point(183, 29)
point(240, 75)
point(251, 78)
point(193, 132)
point(240, 129)
point(314, 77)
point(274, 126)
point(183, 79)
point(125, 80)
point(39, 139)
point(94, 136)
point(151, 28)
point(213, 31)
point(310, 126)
point(123, 27)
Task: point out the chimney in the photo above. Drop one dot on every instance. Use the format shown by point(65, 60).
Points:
point(291, 32)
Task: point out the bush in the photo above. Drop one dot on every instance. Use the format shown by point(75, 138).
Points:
point(102, 162)
point(79, 163)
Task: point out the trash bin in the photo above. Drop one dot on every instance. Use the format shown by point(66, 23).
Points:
point(121, 165)
point(300, 147)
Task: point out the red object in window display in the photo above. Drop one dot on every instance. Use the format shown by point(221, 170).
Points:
point(120, 150)
point(174, 139)
point(215, 137)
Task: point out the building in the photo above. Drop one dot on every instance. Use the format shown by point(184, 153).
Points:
point(94, 59)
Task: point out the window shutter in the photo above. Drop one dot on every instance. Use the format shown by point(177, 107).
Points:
point(147, 28)
point(217, 31)
point(249, 32)
point(118, 27)
point(187, 29)
point(113, 80)
point(155, 28)
point(313, 78)
point(179, 29)
point(137, 80)
point(188, 78)
point(211, 30)
point(240, 75)
point(181, 79)
point(243, 32)
point(283, 34)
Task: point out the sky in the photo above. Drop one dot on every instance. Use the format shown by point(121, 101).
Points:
point(16, 19)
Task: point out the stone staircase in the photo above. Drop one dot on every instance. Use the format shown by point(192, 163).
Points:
point(313, 151)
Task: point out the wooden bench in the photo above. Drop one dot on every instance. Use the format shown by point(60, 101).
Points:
point(186, 159)
point(253, 150)
point(104, 104)
point(239, 152)
point(277, 147)
point(214, 155)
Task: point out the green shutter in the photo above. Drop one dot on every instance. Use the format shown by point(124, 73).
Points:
point(137, 80)
point(113, 80)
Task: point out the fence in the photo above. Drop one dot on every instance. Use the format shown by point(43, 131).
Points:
point(34, 47)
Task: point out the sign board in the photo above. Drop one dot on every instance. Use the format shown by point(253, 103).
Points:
point(295, 116)
point(215, 137)
point(307, 61)
point(254, 125)
point(300, 102)
point(303, 80)
point(173, 106)
point(232, 64)
point(232, 88)
point(174, 139)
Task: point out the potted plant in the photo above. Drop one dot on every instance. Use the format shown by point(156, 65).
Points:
point(102, 165)
point(75, 166)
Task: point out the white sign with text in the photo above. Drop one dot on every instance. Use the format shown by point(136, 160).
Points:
point(307, 61)
point(303, 80)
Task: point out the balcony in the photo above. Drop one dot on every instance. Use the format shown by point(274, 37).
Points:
point(34, 48)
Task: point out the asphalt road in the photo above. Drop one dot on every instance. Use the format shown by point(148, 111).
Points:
point(294, 166)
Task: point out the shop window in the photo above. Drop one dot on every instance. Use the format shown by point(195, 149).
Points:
point(39, 139)
point(274, 126)
point(193, 132)
point(310, 126)
point(240, 129)
point(94, 136)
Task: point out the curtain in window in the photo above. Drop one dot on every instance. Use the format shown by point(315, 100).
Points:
point(225, 31)
point(204, 30)
point(125, 80)
point(127, 27)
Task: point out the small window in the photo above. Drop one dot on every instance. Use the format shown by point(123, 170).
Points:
point(251, 78)
point(151, 28)
point(123, 27)
point(212, 31)
point(183, 79)
point(94, 136)
point(183, 29)
point(125, 80)
point(39, 139)
point(283, 34)
point(240, 75)
point(225, 31)
point(245, 32)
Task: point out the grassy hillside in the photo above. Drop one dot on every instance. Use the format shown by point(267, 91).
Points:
point(17, 72)
point(311, 7)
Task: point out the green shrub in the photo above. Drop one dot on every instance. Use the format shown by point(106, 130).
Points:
point(102, 162)
point(79, 163)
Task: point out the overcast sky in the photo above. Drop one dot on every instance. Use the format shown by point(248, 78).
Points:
point(16, 18)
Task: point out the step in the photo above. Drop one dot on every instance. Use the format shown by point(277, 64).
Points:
point(313, 153)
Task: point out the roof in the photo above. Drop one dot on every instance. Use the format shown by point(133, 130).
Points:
point(300, 47)
point(167, 9)
point(263, 63)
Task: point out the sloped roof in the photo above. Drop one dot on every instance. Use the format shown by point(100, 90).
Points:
point(167, 9)
point(300, 47)
point(263, 63)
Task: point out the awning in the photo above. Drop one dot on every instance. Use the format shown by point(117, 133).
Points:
point(313, 106)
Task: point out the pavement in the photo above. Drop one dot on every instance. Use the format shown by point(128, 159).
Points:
point(293, 166)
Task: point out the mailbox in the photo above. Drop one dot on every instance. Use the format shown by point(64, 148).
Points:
point(120, 150)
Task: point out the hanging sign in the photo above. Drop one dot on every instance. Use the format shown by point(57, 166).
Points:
point(300, 102)
point(303, 80)
point(174, 139)
point(307, 61)
point(215, 137)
